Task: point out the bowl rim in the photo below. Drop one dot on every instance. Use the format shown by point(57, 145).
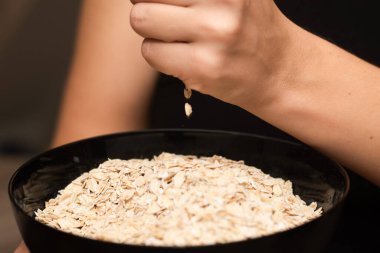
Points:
point(340, 169)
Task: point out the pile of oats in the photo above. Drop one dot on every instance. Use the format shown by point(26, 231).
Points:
point(176, 200)
point(188, 108)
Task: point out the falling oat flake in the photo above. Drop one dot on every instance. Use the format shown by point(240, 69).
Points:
point(187, 93)
point(188, 110)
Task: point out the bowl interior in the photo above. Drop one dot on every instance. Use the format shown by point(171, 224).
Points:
point(314, 177)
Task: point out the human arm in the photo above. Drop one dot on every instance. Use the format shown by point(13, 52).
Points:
point(249, 54)
point(110, 84)
point(331, 101)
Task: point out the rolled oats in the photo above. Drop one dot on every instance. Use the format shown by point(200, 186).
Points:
point(176, 200)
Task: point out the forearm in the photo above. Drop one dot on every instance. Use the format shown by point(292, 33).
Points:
point(83, 117)
point(109, 85)
point(330, 99)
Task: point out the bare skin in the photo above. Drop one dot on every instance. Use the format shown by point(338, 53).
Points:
point(243, 52)
point(249, 54)
point(110, 84)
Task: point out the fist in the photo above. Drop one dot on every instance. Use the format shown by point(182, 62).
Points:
point(235, 50)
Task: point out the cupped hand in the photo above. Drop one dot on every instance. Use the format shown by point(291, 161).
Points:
point(235, 50)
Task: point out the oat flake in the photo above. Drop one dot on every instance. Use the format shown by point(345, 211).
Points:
point(188, 110)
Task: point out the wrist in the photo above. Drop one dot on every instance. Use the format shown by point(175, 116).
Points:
point(290, 65)
point(297, 86)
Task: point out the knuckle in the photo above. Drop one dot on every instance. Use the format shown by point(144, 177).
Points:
point(146, 49)
point(230, 30)
point(138, 15)
point(225, 30)
point(211, 66)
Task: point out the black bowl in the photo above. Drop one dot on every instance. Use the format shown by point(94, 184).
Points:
point(315, 178)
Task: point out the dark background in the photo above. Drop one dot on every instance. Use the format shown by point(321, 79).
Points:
point(36, 42)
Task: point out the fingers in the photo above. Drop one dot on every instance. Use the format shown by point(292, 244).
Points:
point(169, 58)
point(164, 22)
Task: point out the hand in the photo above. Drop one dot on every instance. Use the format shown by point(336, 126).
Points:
point(234, 50)
point(247, 53)
point(21, 248)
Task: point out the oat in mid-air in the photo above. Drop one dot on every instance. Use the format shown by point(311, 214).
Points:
point(187, 93)
point(188, 108)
